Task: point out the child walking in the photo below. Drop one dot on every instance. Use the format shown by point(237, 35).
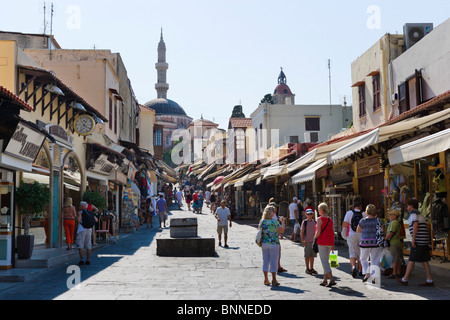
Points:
point(307, 232)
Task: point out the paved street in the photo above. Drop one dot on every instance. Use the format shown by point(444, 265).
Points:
point(130, 269)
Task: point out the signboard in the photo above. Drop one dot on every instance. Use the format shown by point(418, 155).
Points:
point(25, 143)
point(368, 166)
point(103, 165)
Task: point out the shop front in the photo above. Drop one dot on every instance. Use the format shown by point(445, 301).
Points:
point(421, 170)
point(20, 143)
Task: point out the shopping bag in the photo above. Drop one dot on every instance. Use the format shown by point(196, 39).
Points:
point(334, 259)
point(386, 259)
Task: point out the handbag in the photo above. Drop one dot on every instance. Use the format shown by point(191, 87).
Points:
point(315, 245)
point(258, 239)
point(381, 241)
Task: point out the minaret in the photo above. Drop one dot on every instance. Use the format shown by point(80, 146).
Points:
point(161, 66)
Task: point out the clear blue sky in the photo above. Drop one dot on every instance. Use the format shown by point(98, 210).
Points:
point(227, 52)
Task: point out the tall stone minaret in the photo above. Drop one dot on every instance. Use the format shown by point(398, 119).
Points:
point(161, 66)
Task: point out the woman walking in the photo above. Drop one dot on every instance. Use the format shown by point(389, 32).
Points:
point(271, 229)
point(325, 241)
point(69, 215)
point(368, 227)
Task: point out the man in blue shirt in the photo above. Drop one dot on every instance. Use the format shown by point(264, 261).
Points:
point(161, 209)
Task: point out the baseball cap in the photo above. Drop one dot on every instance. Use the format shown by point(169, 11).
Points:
point(309, 211)
point(295, 199)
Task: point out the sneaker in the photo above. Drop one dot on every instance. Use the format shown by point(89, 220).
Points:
point(81, 263)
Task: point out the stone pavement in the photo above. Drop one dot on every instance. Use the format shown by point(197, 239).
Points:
point(131, 270)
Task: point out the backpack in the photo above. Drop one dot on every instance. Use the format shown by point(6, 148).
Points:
point(87, 219)
point(357, 216)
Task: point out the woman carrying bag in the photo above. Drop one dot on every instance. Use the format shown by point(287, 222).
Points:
point(271, 229)
point(370, 246)
point(325, 241)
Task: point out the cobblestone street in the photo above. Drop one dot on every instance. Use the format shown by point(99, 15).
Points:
point(130, 269)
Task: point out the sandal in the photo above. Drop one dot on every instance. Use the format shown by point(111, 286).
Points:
point(392, 276)
point(323, 284)
point(332, 283)
point(267, 283)
point(275, 283)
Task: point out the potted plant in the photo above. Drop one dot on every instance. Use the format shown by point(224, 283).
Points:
point(31, 199)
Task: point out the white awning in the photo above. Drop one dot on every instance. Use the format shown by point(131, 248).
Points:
point(424, 147)
point(309, 173)
point(273, 171)
point(362, 142)
point(302, 161)
point(387, 132)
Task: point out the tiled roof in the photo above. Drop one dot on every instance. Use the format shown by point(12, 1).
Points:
point(14, 99)
point(241, 122)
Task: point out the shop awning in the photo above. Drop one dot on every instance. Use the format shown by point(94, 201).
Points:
point(309, 173)
point(386, 132)
point(424, 147)
point(353, 147)
point(273, 171)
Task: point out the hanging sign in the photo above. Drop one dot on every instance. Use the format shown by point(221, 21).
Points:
point(25, 143)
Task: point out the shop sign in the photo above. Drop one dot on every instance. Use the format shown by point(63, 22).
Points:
point(25, 143)
point(322, 173)
point(341, 174)
point(368, 166)
point(102, 165)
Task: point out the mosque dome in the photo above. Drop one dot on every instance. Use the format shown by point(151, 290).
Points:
point(166, 107)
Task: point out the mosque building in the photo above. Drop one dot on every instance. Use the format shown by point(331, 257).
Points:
point(170, 116)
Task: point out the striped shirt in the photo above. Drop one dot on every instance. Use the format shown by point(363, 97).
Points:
point(422, 237)
point(309, 227)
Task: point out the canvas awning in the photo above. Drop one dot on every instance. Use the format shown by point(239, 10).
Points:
point(424, 147)
point(309, 173)
point(384, 133)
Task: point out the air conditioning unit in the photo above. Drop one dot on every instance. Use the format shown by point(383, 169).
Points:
point(414, 32)
point(311, 137)
point(6, 176)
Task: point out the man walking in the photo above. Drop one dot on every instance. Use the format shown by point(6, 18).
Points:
point(351, 221)
point(180, 198)
point(86, 221)
point(162, 210)
point(293, 217)
point(420, 250)
point(222, 215)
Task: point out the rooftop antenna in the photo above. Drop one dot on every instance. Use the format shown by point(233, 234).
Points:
point(45, 23)
point(329, 75)
point(51, 31)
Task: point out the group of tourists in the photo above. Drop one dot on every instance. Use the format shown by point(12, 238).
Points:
point(365, 238)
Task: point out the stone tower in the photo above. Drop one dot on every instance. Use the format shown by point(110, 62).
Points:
point(161, 66)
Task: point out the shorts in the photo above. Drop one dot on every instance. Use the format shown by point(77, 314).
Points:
point(163, 214)
point(420, 254)
point(223, 229)
point(354, 249)
point(397, 252)
point(84, 239)
point(309, 252)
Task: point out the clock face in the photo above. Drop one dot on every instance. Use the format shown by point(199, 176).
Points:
point(84, 125)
